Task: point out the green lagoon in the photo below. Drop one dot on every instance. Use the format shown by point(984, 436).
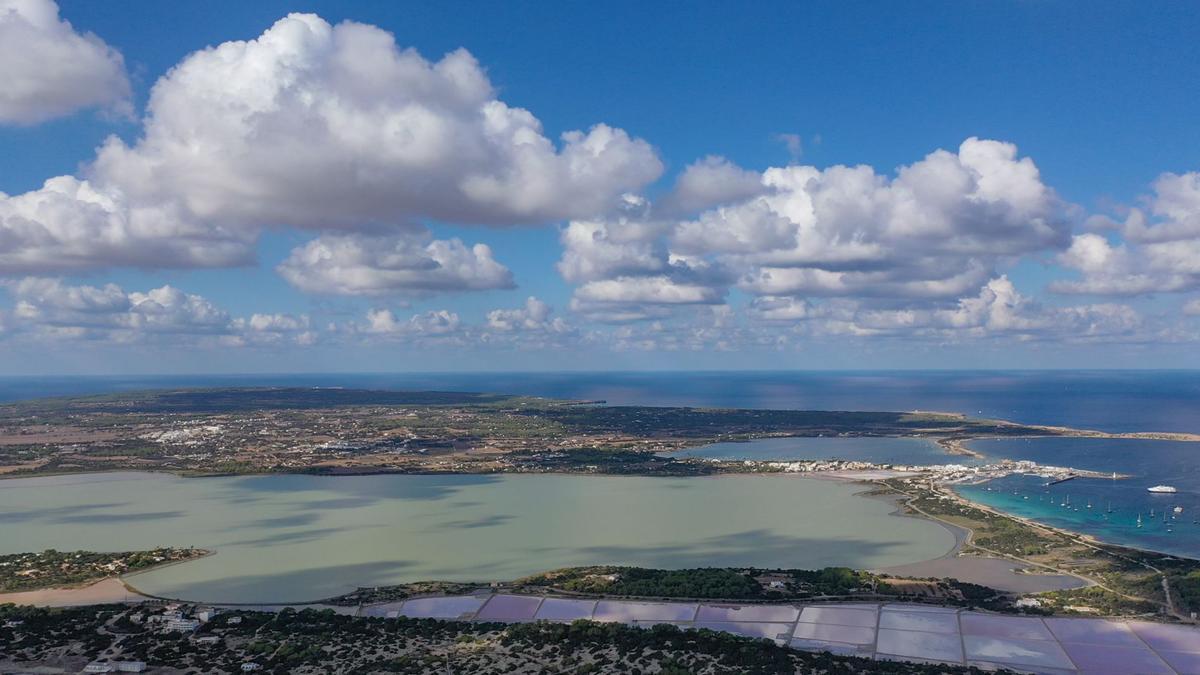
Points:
point(285, 538)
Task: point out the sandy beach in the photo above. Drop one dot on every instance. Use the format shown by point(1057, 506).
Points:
point(999, 573)
point(102, 592)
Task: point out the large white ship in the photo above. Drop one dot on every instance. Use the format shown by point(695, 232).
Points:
point(1160, 488)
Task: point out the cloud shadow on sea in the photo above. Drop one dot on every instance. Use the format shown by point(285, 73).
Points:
point(56, 512)
point(300, 537)
point(474, 523)
point(759, 547)
point(291, 520)
point(116, 518)
point(352, 491)
point(306, 585)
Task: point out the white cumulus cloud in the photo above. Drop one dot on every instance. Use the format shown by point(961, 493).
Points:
point(321, 126)
point(1160, 251)
point(397, 264)
point(71, 225)
point(48, 307)
point(935, 231)
point(108, 312)
point(48, 69)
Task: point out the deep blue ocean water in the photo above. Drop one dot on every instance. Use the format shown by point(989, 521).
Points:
point(1147, 462)
point(1104, 400)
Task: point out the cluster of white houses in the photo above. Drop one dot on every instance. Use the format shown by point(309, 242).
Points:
point(174, 618)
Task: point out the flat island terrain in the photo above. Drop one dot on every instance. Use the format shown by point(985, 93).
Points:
point(346, 431)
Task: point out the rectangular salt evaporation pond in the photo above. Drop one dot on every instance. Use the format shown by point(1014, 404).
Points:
point(509, 608)
point(1016, 652)
point(1097, 658)
point(1170, 638)
point(914, 619)
point(990, 625)
point(1182, 662)
point(911, 644)
point(564, 609)
point(1093, 632)
point(841, 616)
point(781, 613)
point(453, 607)
point(619, 610)
point(389, 610)
point(825, 632)
point(779, 632)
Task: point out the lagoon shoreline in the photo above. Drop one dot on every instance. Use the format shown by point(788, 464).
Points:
point(949, 563)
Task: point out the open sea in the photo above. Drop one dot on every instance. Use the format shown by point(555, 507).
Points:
point(1105, 400)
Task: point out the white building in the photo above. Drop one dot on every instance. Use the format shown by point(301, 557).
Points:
point(97, 667)
point(131, 666)
point(183, 625)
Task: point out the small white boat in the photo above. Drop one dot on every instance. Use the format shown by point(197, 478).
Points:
point(1162, 489)
point(1178, 509)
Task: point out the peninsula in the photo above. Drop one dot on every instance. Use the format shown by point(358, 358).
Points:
point(347, 431)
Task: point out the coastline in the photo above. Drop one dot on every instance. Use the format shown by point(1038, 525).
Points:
point(974, 569)
point(106, 591)
point(97, 592)
point(1003, 574)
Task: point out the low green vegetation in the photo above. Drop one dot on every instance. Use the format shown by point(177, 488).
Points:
point(733, 423)
point(636, 581)
point(1093, 600)
point(56, 569)
point(311, 642)
point(710, 583)
point(723, 583)
point(378, 594)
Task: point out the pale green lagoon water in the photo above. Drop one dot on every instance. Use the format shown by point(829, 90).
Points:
point(298, 538)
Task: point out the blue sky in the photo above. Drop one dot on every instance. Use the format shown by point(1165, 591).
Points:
point(1101, 102)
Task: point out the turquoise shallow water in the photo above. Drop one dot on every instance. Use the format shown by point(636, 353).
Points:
point(1149, 462)
point(296, 538)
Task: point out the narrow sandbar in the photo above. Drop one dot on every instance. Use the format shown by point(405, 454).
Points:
point(102, 592)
